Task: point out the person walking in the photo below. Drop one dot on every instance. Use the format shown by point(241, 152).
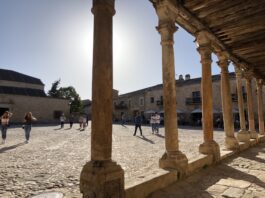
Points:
point(123, 119)
point(84, 123)
point(152, 122)
point(80, 120)
point(4, 124)
point(28, 119)
point(71, 120)
point(138, 123)
point(62, 120)
point(157, 122)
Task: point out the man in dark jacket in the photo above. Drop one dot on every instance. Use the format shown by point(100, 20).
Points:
point(138, 123)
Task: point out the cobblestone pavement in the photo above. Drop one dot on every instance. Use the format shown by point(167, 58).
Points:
point(241, 176)
point(53, 159)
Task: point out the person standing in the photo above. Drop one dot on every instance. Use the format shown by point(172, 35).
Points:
point(80, 120)
point(84, 122)
point(123, 119)
point(157, 122)
point(138, 123)
point(62, 120)
point(4, 124)
point(152, 122)
point(28, 119)
point(71, 120)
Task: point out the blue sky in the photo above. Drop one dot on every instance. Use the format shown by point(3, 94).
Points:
point(52, 39)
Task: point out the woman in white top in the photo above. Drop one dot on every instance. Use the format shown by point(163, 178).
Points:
point(157, 122)
point(152, 122)
point(4, 124)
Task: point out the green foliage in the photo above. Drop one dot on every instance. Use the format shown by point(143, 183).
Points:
point(67, 93)
point(53, 92)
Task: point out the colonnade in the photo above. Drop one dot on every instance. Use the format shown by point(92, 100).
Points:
point(101, 176)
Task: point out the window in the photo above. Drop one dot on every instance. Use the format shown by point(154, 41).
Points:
point(152, 100)
point(196, 94)
point(129, 103)
point(141, 101)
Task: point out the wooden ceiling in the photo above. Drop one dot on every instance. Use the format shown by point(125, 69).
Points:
point(238, 25)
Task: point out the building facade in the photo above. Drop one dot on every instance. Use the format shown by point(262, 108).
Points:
point(21, 93)
point(189, 103)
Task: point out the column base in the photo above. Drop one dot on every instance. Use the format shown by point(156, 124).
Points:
point(243, 136)
point(231, 143)
point(253, 135)
point(210, 148)
point(174, 160)
point(102, 179)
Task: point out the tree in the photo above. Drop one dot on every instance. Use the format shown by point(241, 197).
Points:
point(74, 98)
point(67, 93)
point(54, 91)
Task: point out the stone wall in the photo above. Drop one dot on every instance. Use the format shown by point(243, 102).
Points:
point(42, 107)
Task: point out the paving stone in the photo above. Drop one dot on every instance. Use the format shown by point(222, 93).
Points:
point(54, 158)
point(216, 189)
point(49, 195)
point(233, 193)
point(234, 183)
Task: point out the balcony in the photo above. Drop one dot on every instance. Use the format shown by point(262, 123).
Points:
point(159, 102)
point(121, 106)
point(193, 101)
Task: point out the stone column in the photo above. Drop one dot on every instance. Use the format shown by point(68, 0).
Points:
point(251, 121)
point(209, 146)
point(242, 135)
point(173, 158)
point(102, 177)
point(230, 140)
point(260, 106)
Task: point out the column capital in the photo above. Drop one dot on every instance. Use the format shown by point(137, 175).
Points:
point(166, 30)
point(167, 27)
point(248, 74)
point(259, 83)
point(205, 52)
point(238, 71)
point(202, 38)
point(104, 5)
point(223, 61)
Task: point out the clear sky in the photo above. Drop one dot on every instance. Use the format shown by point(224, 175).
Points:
point(53, 39)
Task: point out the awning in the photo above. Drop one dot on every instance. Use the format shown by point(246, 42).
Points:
point(235, 110)
point(196, 111)
point(149, 111)
point(200, 111)
point(177, 111)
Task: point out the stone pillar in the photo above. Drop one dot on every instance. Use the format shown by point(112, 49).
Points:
point(260, 106)
point(251, 121)
point(230, 140)
point(242, 135)
point(209, 146)
point(173, 158)
point(102, 177)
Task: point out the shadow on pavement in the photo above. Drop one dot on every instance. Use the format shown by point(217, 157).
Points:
point(2, 150)
point(145, 139)
point(159, 135)
point(57, 129)
point(221, 175)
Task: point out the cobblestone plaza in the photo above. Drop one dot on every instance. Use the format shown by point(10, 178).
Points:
point(53, 159)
